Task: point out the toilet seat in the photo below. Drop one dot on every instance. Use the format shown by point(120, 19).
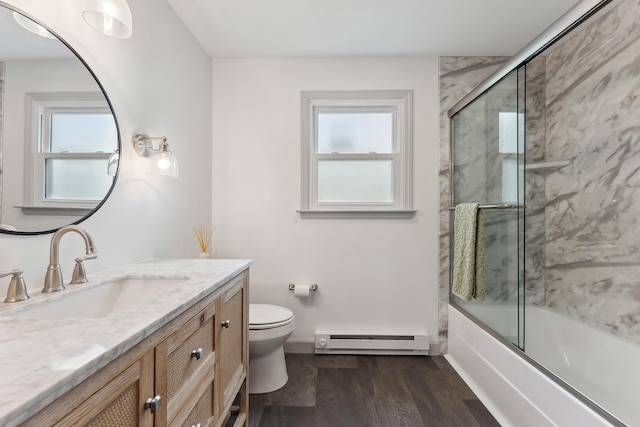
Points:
point(267, 316)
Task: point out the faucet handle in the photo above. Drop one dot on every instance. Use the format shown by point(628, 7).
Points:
point(79, 273)
point(14, 272)
point(92, 255)
point(17, 288)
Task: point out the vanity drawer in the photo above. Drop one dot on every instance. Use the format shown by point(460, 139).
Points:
point(185, 364)
point(182, 362)
point(202, 413)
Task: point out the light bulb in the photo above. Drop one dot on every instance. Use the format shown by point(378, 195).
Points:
point(163, 162)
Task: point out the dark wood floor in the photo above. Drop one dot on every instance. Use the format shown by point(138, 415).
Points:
point(368, 391)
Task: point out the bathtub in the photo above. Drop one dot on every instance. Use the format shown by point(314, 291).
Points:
point(517, 393)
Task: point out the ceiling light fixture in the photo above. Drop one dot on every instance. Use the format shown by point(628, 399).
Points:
point(163, 161)
point(110, 17)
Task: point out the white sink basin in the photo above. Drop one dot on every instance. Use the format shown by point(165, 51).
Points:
point(103, 300)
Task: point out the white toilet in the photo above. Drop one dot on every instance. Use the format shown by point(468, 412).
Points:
point(269, 328)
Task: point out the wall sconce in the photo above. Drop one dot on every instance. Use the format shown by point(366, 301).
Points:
point(110, 17)
point(112, 163)
point(32, 26)
point(163, 162)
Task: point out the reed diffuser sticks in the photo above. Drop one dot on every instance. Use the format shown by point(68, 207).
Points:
point(204, 234)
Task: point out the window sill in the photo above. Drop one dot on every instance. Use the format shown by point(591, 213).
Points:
point(56, 210)
point(369, 214)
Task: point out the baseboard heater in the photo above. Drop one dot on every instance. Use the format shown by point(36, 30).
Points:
point(392, 343)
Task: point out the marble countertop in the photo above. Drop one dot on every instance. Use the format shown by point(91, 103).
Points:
point(41, 359)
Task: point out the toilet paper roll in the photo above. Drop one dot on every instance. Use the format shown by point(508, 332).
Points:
point(302, 291)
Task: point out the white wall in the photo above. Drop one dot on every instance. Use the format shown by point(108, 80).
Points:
point(372, 274)
point(159, 81)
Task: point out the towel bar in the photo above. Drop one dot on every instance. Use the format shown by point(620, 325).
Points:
point(502, 206)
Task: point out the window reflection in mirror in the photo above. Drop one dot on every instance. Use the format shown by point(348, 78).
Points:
point(57, 131)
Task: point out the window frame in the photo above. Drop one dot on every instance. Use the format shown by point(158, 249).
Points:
point(397, 102)
point(40, 107)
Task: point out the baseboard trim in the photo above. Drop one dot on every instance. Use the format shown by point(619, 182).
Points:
point(434, 348)
point(299, 345)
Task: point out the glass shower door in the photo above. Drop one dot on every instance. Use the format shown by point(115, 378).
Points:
point(488, 169)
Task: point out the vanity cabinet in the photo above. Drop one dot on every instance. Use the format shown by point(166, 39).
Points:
point(196, 364)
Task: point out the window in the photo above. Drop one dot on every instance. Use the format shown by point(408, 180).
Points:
point(71, 136)
point(356, 148)
point(510, 145)
point(510, 132)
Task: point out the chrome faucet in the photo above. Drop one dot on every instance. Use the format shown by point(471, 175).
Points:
point(17, 289)
point(53, 280)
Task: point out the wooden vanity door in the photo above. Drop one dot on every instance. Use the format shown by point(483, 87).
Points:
point(232, 336)
point(119, 402)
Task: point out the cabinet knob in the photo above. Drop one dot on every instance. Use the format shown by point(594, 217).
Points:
point(196, 353)
point(226, 324)
point(196, 425)
point(153, 404)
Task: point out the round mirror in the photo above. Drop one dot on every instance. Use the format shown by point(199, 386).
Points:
point(59, 138)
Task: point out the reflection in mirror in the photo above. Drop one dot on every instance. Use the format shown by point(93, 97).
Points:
point(58, 134)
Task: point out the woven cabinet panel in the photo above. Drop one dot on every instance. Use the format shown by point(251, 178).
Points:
point(122, 411)
point(231, 357)
point(180, 363)
point(203, 410)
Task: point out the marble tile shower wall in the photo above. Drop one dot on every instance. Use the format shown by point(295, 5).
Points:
point(592, 252)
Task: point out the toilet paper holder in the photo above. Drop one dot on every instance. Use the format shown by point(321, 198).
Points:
point(313, 287)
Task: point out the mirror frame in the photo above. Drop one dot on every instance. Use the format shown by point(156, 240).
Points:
point(113, 113)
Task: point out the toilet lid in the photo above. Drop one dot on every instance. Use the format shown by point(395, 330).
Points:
point(266, 314)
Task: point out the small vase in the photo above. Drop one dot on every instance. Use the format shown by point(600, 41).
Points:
point(204, 255)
